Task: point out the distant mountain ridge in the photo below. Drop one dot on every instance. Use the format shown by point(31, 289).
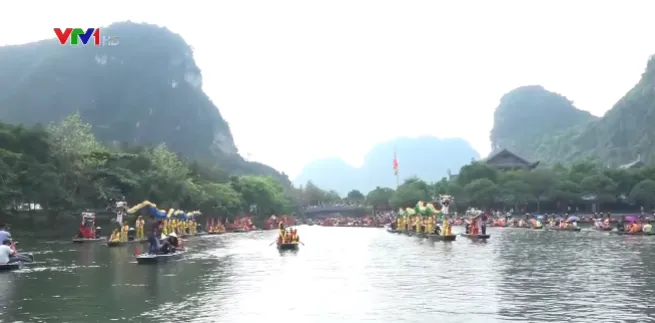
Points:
point(144, 91)
point(429, 158)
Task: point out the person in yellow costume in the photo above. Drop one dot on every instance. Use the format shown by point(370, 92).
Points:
point(417, 222)
point(124, 229)
point(445, 226)
point(192, 226)
point(139, 225)
point(115, 236)
point(429, 227)
point(282, 233)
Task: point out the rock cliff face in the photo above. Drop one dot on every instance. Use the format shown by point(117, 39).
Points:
point(145, 90)
point(528, 114)
point(561, 133)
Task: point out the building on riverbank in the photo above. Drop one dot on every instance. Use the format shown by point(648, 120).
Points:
point(506, 160)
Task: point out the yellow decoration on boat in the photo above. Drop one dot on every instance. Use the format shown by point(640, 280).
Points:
point(141, 205)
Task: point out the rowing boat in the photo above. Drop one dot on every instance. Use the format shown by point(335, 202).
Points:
point(287, 246)
point(144, 259)
point(125, 243)
point(212, 233)
point(623, 233)
point(575, 229)
point(603, 229)
point(94, 240)
point(476, 237)
point(438, 237)
point(390, 230)
point(26, 259)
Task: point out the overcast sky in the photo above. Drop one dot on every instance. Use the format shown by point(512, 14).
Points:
point(301, 80)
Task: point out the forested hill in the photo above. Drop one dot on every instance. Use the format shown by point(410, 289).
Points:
point(144, 91)
point(542, 127)
point(528, 114)
point(429, 158)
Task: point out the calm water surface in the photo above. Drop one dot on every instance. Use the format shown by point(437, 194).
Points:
point(344, 275)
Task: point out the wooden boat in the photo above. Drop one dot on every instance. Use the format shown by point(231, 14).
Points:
point(390, 230)
point(438, 237)
point(213, 233)
point(604, 229)
point(623, 233)
point(575, 229)
point(477, 237)
point(146, 258)
point(125, 243)
point(95, 240)
point(287, 246)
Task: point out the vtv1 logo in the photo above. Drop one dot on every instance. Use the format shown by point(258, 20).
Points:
point(74, 36)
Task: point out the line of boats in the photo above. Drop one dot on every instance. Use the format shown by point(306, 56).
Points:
point(439, 237)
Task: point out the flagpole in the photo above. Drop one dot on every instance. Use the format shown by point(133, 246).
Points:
point(396, 167)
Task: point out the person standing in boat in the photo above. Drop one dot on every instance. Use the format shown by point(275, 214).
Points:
point(620, 225)
point(154, 234)
point(4, 232)
point(483, 223)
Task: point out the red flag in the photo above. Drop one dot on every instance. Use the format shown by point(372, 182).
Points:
point(395, 163)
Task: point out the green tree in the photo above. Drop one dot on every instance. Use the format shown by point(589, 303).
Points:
point(379, 197)
point(644, 194)
point(482, 193)
point(355, 195)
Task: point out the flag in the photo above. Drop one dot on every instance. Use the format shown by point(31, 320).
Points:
point(395, 163)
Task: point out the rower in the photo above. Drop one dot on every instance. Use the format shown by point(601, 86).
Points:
point(6, 253)
point(4, 232)
point(115, 236)
point(647, 228)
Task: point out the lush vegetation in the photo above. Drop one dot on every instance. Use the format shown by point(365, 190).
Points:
point(64, 167)
point(146, 91)
point(542, 190)
point(547, 128)
point(527, 115)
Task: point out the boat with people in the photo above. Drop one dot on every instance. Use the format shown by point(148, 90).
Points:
point(11, 259)
point(287, 239)
point(169, 247)
point(88, 232)
point(421, 221)
point(214, 226)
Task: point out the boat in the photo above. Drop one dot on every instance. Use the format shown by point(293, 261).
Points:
point(477, 237)
point(603, 229)
point(146, 258)
point(390, 230)
point(438, 237)
point(215, 232)
point(89, 240)
point(623, 233)
point(574, 229)
point(26, 259)
point(287, 246)
point(125, 243)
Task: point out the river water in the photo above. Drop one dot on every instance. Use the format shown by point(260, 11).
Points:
point(344, 275)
